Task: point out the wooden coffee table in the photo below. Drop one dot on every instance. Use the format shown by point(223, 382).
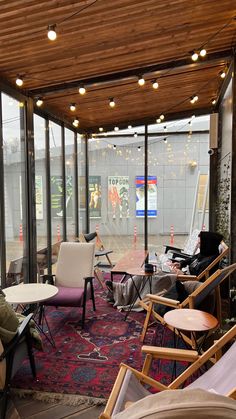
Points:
point(191, 320)
point(132, 260)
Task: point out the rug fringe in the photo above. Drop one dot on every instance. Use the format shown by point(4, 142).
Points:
point(66, 399)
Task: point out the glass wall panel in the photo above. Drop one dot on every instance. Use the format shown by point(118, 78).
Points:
point(70, 183)
point(81, 182)
point(14, 188)
point(116, 190)
point(55, 145)
point(179, 159)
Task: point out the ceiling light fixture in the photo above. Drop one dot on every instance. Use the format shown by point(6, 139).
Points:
point(129, 126)
point(82, 90)
point(19, 81)
point(158, 120)
point(52, 35)
point(141, 81)
point(193, 99)
point(202, 52)
point(213, 101)
point(112, 102)
point(222, 74)
point(39, 102)
point(100, 129)
point(155, 84)
point(116, 129)
point(162, 117)
point(72, 107)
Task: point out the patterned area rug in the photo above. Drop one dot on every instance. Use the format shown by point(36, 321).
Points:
point(86, 362)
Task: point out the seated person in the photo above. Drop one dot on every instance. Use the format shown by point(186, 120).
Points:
point(122, 295)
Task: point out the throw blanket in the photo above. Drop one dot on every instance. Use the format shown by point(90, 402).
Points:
point(8, 321)
point(125, 294)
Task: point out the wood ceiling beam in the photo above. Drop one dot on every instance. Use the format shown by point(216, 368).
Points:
point(135, 72)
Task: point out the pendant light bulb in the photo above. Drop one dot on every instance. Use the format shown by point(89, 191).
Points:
point(100, 129)
point(141, 81)
point(213, 101)
point(52, 35)
point(135, 135)
point(39, 102)
point(19, 81)
point(194, 56)
point(162, 117)
point(202, 52)
point(116, 129)
point(72, 107)
point(82, 90)
point(129, 126)
point(112, 102)
point(76, 122)
point(155, 84)
point(222, 74)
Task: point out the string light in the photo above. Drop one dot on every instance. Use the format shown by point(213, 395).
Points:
point(213, 101)
point(139, 148)
point(162, 117)
point(112, 102)
point(202, 52)
point(114, 146)
point(116, 129)
point(141, 81)
point(135, 134)
point(193, 99)
point(155, 84)
point(76, 122)
point(39, 101)
point(158, 120)
point(82, 90)
point(19, 81)
point(52, 35)
point(222, 74)
point(72, 107)
point(129, 126)
point(165, 128)
point(100, 129)
point(194, 55)
point(165, 140)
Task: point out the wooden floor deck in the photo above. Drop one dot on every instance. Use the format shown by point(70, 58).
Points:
point(33, 409)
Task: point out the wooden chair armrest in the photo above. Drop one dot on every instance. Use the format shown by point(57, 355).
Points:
point(232, 393)
point(184, 278)
point(163, 300)
point(171, 353)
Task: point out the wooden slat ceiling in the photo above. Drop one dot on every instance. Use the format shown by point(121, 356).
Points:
point(106, 45)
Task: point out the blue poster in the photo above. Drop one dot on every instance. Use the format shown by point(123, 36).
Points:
point(151, 198)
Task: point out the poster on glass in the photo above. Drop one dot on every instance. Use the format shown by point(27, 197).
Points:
point(95, 196)
point(118, 196)
point(151, 198)
point(57, 196)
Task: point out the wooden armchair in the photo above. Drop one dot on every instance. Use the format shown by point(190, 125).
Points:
point(219, 380)
point(194, 300)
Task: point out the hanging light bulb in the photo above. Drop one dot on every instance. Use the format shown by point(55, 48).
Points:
point(135, 135)
point(52, 35)
point(141, 81)
point(76, 122)
point(213, 101)
point(112, 102)
point(116, 128)
point(39, 101)
point(162, 117)
point(194, 56)
point(129, 126)
point(155, 84)
point(158, 120)
point(100, 129)
point(222, 74)
point(202, 52)
point(139, 148)
point(82, 90)
point(19, 81)
point(72, 107)
point(165, 128)
point(195, 98)
point(114, 147)
point(165, 140)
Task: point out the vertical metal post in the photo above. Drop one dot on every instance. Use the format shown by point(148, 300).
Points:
point(87, 184)
point(76, 186)
point(2, 209)
point(48, 198)
point(146, 188)
point(29, 190)
point(64, 186)
point(233, 180)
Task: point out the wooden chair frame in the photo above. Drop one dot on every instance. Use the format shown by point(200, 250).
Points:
point(211, 283)
point(196, 362)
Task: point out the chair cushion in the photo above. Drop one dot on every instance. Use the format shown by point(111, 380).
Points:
point(179, 404)
point(8, 321)
point(67, 297)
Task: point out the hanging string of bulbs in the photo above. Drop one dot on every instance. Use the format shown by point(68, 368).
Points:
point(195, 55)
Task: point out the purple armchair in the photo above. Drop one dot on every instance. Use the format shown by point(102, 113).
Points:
point(74, 276)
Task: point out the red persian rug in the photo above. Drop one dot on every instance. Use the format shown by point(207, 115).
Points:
point(85, 362)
